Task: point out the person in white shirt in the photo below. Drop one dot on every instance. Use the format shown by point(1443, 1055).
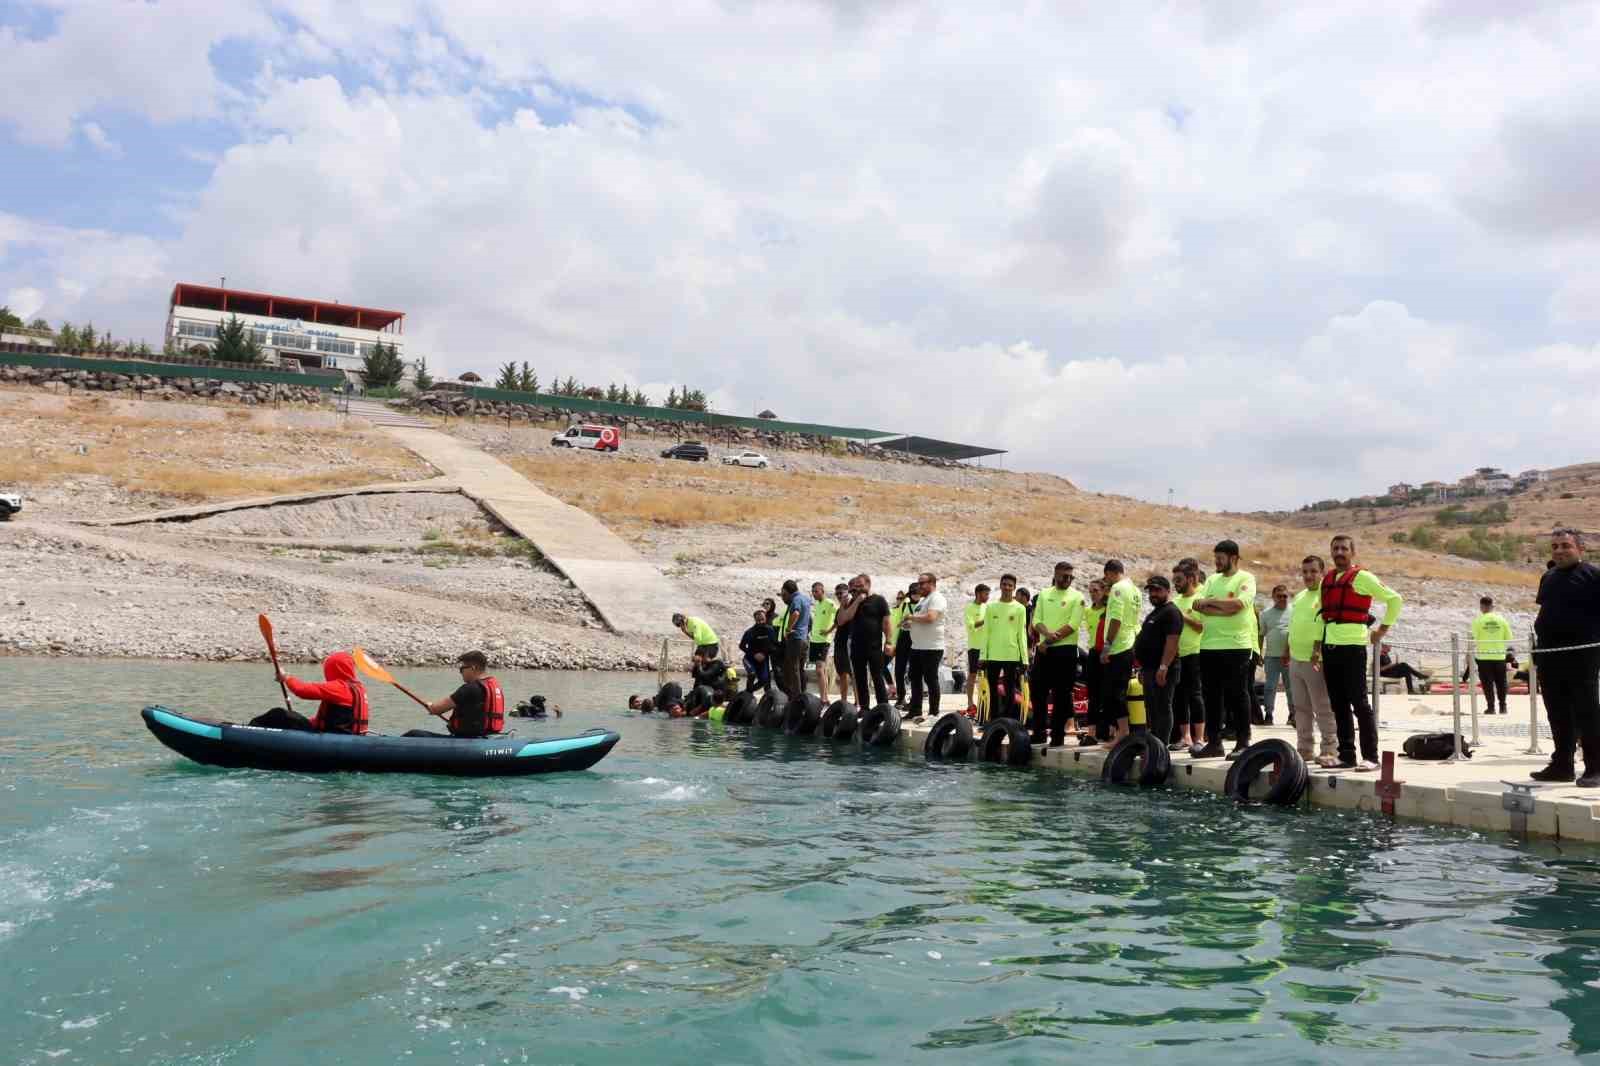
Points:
point(926, 626)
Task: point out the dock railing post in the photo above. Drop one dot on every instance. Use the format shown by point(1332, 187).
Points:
point(661, 665)
point(1472, 690)
point(1455, 697)
point(1533, 696)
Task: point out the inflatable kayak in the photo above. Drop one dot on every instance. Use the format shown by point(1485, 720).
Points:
point(226, 744)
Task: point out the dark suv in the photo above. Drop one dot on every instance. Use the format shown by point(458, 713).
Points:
point(692, 450)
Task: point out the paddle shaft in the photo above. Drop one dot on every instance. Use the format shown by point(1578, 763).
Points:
point(272, 650)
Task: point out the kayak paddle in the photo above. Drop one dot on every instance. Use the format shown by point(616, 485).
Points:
point(272, 650)
point(365, 664)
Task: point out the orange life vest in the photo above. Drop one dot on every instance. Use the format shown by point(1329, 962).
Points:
point(1341, 604)
point(343, 718)
point(492, 719)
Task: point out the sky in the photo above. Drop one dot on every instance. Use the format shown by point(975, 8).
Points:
point(1255, 253)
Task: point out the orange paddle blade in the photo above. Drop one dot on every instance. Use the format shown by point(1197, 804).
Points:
point(365, 664)
point(266, 626)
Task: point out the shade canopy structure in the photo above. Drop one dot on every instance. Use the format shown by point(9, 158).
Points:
point(936, 449)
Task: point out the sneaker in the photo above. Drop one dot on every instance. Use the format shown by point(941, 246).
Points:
point(1344, 765)
point(1289, 721)
point(1554, 773)
point(1366, 766)
point(1590, 779)
point(1209, 751)
point(1238, 750)
point(1267, 720)
point(1086, 740)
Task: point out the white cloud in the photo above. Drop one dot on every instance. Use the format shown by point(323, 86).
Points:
point(100, 140)
point(1146, 248)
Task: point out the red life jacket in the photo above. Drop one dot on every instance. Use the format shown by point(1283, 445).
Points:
point(1341, 603)
point(492, 718)
point(1100, 634)
point(344, 718)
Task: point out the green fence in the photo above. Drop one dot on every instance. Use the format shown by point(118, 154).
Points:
point(167, 370)
point(667, 414)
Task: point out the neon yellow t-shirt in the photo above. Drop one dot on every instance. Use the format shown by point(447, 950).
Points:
point(1005, 632)
point(822, 616)
point(1091, 624)
point(1060, 607)
point(699, 632)
point(1189, 639)
point(1123, 603)
point(1491, 634)
point(1305, 624)
point(972, 616)
point(1230, 632)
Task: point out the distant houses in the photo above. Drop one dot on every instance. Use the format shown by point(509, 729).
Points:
point(1401, 491)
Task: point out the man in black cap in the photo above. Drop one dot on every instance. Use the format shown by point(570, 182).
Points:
point(1156, 650)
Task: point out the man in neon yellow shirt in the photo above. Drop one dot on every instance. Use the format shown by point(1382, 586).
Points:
point(1347, 595)
point(973, 617)
point(1116, 658)
point(1491, 640)
point(706, 644)
point(822, 613)
point(1308, 692)
point(1228, 602)
point(1188, 709)
point(1005, 648)
point(1057, 617)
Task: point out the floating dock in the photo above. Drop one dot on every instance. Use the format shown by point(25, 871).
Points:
point(1490, 791)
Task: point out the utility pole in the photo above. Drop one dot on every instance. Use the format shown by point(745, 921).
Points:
point(1169, 497)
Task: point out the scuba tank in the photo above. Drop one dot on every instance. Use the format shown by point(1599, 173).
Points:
point(1135, 702)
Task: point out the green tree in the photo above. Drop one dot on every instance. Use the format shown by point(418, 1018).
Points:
point(571, 386)
point(509, 378)
point(424, 379)
point(39, 323)
point(7, 318)
point(381, 367)
point(528, 378)
point(612, 392)
point(672, 398)
point(236, 343)
point(67, 337)
point(143, 348)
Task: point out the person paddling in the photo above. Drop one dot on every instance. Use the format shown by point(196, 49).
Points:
point(476, 709)
point(342, 700)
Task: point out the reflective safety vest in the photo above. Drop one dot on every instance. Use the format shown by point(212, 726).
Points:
point(1341, 604)
point(344, 718)
point(493, 715)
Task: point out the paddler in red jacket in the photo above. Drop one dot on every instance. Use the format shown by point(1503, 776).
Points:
point(341, 700)
point(476, 709)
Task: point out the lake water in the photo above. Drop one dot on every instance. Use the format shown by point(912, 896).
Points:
point(710, 896)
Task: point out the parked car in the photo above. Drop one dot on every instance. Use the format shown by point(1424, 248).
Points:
point(10, 504)
point(755, 459)
point(596, 438)
point(691, 450)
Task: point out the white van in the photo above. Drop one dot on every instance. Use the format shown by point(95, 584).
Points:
point(595, 438)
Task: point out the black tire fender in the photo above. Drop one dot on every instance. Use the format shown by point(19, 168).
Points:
point(801, 716)
point(768, 714)
point(880, 726)
point(741, 709)
point(950, 737)
point(1009, 734)
point(1157, 761)
point(839, 721)
point(700, 698)
point(1293, 777)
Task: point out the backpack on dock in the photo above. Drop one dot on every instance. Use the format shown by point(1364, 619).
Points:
point(1434, 746)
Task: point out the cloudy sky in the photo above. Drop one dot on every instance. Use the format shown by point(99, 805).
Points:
point(1257, 253)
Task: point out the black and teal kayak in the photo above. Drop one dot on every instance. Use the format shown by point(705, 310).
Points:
point(505, 755)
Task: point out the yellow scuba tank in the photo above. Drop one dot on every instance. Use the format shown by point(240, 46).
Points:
point(1025, 701)
point(980, 699)
point(1135, 701)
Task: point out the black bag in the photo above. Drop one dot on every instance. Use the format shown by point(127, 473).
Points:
point(1435, 746)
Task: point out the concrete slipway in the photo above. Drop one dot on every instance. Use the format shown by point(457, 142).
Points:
point(1472, 793)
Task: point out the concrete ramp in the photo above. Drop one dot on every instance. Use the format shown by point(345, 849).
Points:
point(630, 595)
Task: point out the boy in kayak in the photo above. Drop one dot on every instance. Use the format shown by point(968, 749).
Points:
point(476, 709)
point(342, 700)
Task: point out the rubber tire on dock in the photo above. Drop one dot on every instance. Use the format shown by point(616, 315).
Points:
point(950, 737)
point(801, 716)
point(700, 698)
point(1010, 732)
point(880, 726)
point(1119, 761)
point(839, 721)
point(1293, 778)
point(741, 709)
point(768, 714)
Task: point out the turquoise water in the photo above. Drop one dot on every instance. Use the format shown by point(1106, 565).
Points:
point(707, 896)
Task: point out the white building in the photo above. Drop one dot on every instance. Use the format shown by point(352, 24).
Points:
point(311, 333)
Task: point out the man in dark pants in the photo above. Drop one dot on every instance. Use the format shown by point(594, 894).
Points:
point(925, 626)
point(1491, 641)
point(1057, 617)
point(1228, 602)
point(1156, 649)
point(1569, 615)
point(867, 615)
point(796, 637)
point(1188, 709)
point(1116, 658)
point(1348, 592)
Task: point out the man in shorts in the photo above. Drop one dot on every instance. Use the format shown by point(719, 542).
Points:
point(822, 614)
